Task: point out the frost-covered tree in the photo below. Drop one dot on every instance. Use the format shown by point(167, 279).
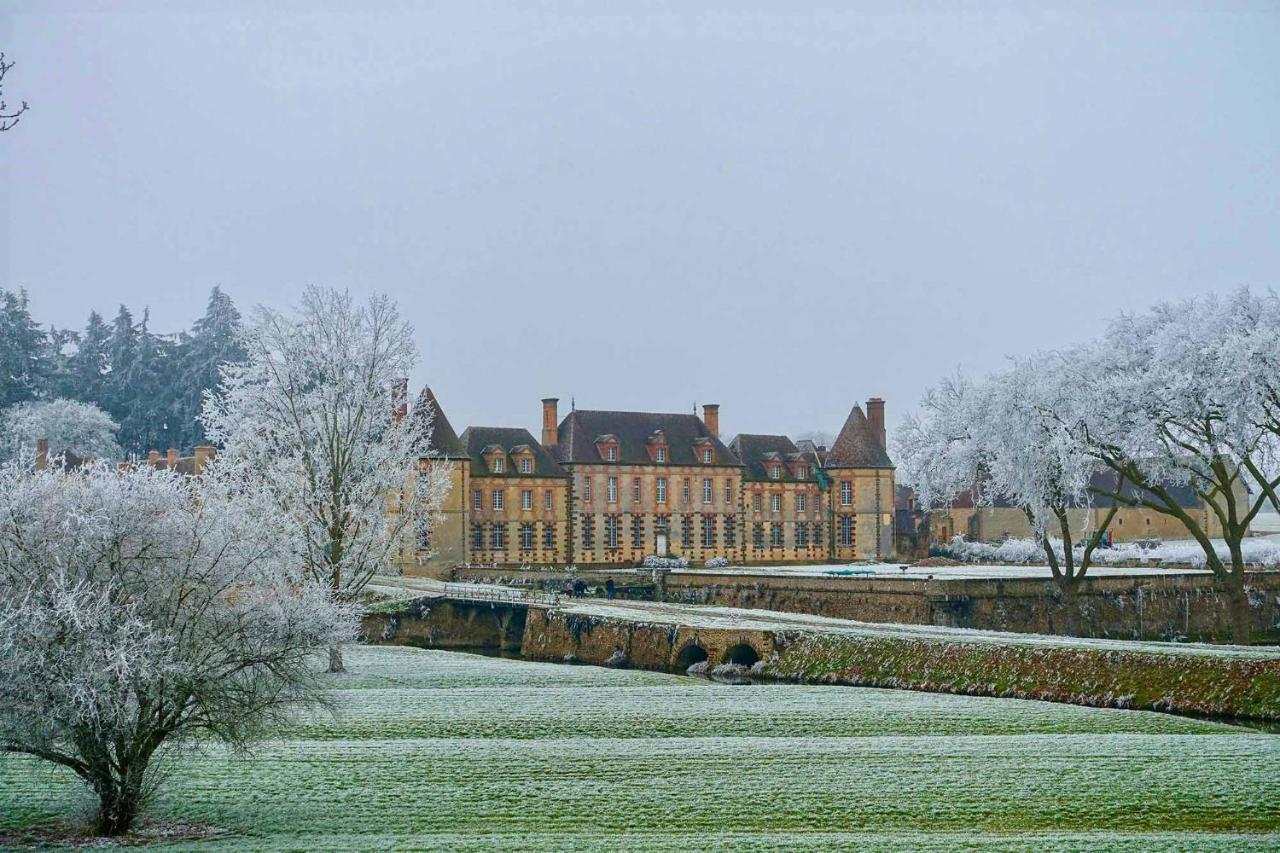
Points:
point(78, 428)
point(1186, 395)
point(313, 412)
point(214, 340)
point(140, 611)
point(24, 349)
point(9, 116)
point(1001, 441)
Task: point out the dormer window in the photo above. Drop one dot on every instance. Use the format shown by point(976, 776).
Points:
point(607, 447)
point(660, 454)
point(775, 472)
point(706, 456)
point(611, 453)
point(802, 472)
point(499, 465)
point(526, 466)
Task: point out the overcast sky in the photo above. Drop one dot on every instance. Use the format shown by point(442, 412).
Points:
point(784, 208)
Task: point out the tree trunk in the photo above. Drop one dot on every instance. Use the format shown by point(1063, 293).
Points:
point(335, 659)
point(119, 801)
point(1241, 613)
point(1070, 604)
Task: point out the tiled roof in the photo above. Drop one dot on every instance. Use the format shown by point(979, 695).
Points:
point(754, 450)
point(579, 430)
point(478, 440)
point(444, 441)
point(857, 445)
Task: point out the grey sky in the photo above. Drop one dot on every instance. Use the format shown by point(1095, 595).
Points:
point(784, 208)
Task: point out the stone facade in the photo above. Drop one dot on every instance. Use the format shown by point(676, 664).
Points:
point(611, 488)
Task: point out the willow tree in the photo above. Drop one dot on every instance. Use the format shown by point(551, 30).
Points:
point(316, 412)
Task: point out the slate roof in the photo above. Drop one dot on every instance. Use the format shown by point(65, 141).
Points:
point(579, 429)
point(857, 445)
point(756, 451)
point(444, 441)
point(478, 439)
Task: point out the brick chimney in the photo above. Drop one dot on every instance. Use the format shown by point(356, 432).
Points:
point(203, 453)
point(42, 454)
point(875, 415)
point(399, 399)
point(711, 417)
point(171, 458)
point(550, 421)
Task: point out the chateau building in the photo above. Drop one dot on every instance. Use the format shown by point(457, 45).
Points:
point(608, 487)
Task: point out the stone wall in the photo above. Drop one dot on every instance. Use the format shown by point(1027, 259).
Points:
point(1176, 606)
point(445, 624)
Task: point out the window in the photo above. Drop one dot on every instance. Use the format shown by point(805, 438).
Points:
point(775, 503)
point(817, 535)
point(611, 493)
point(497, 499)
point(548, 535)
point(498, 537)
point(846, 530)
point(660, 491)
point(817, 505)
point(660, 454)
point(526, 499)
point(499, 465)
point(661, 523)
point(846, 493)
point(588, 531)
point(757, 535)
point(637, 531)
point(757, 502)
point(526, 537)
point(802, 535)
point(706, 456)
point(775, 535)
point(775, 472)
point(687, 486)
point(728, 491)
point(611, 525)
point(477, 537)
point(708, 491)
point(477, 499)
point(586, 490)
point(635, 490)
point(802, 472)
point(686, 532)
point(728, 531)
point(526, 466)
point(546, 499)
point(800, 502)
point(612, 453)
point(708, 531)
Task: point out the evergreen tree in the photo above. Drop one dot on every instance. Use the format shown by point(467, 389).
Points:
point(24, 351)
point(214, 340)
point(86, 372)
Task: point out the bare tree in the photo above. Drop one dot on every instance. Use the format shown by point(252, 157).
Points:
point(9, 116)
point(141, 610)
point(314, 412)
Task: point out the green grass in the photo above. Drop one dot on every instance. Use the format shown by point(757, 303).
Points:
point(441, 750)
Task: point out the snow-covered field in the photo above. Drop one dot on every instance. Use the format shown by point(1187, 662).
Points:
point(442, 750)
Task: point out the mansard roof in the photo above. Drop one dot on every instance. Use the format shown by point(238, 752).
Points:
point(755, 450)
point(481, 440)
point(857, 445)
point(633, 431)
point(444, 441)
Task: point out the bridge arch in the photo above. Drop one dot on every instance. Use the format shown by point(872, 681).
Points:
point(742, 653)
point(689, 655)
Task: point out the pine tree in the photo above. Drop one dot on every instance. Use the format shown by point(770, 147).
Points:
point(24, 351)
point(86, 372)
point(214, 341)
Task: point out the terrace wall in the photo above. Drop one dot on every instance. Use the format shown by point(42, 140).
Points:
point(1148, 607)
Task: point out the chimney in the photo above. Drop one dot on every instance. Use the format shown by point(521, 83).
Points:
point(875, 415)
point(171, 458)
point(550, 435)
point(153, 456)
point(203, 453)
point(42, 454)
point(399, 399)
point(711, 417)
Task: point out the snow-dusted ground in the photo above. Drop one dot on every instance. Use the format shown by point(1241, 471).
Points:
point(902, 570)
point(439, 750)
